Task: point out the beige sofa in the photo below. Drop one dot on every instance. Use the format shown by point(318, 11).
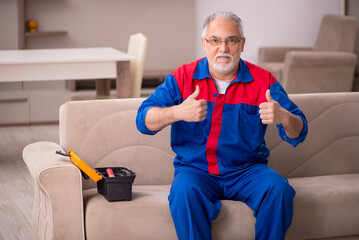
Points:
point(324, 170)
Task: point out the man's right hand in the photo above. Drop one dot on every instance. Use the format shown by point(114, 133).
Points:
point(192, 110)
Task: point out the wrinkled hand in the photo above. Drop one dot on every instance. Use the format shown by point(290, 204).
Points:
point(271, 112)
point(192, 110)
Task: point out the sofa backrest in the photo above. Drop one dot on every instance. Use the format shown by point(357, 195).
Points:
point(332, 143)
point(103, 134)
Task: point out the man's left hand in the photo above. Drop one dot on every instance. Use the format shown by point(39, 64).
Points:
point(271, 112)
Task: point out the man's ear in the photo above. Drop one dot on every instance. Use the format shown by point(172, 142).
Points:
point(204, 45)
point(242, 43)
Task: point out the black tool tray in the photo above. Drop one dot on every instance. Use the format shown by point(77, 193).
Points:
point(116, 188)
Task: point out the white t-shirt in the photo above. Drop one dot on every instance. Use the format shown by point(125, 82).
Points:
point(221, 85)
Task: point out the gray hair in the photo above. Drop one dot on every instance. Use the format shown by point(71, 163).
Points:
point(222, 15)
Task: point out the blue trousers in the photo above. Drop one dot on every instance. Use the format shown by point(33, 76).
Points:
point(195, 197)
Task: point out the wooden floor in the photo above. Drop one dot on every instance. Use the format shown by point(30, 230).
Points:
point(16, 185)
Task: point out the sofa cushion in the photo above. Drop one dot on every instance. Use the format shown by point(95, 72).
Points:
point(324, 206)
point(147, 216)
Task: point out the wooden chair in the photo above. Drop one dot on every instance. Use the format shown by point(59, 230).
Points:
point(137, 47)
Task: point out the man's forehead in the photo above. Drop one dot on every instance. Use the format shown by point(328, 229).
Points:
point(220, 27)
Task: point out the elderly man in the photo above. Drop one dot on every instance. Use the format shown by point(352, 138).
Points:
point(219, 108)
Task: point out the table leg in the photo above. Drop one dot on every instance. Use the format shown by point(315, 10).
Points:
point(123, 81)
point(103, 87)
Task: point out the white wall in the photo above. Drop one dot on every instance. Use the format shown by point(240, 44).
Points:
point(110, 22)
point(168, 24)
point(93, 23)
point(270, 23)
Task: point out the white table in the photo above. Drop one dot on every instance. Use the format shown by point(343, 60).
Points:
point(67, 63)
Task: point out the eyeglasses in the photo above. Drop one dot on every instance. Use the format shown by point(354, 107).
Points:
point(229, 41)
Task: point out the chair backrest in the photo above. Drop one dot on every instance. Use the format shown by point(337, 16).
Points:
point(336, 33)
point(137, 47)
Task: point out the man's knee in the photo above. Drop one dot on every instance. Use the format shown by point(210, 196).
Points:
point(183, 187)
point(279, 186)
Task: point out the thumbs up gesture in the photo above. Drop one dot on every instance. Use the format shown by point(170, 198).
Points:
point(271, 112)
point(192, 110)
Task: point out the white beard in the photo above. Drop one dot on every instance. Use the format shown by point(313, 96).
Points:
point(223, 69)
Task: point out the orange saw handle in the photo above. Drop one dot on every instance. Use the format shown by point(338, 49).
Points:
point(84, 167)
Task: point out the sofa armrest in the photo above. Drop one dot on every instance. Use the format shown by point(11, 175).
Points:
point(58, 202)
point(311, 71)
point(276, 54)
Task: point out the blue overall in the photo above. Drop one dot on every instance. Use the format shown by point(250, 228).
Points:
point(225, 155)
point(195, 200)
